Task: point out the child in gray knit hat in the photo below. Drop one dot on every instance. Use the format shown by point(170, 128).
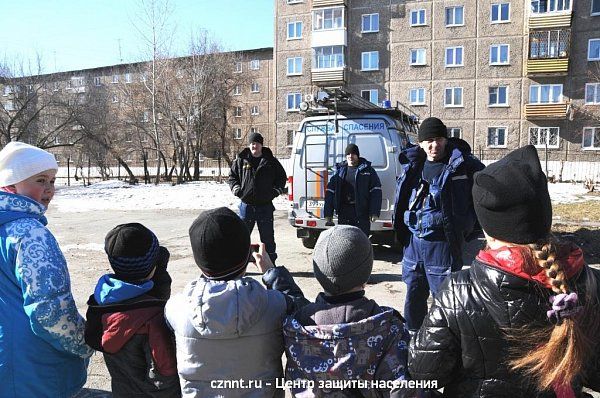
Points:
point(343, 335)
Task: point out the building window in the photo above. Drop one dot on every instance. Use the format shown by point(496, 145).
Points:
point(371, 95)
point(254, 110)
point(594, 50)
point(549, 44)
point(144, 118)
point(293, 101)
point(254, 130)
point(97, 81)
point(496, 137)
point(370, 60)
point(142, 77)
point(289, 141)
point(295, 1)
point(254, 64)
point(595, 7)
point(499, 54)
point(546, 6)
point(416, 96)
point(294, 30)
point(127, 77)
point(237, 90)
point(453, 97)
point(254, 88)
point(294, 66)
point(545, 93)
point(370, 23)
point(417, 17)
point(328, 18)
point(591, 138)
point(454, 132)
point(115, 98)
point(417, 56)
point(56, 86)
point(542, 137)
point(115, 78)
point(237, 133)
point(498, 96)
point(329, 57)
point(238, 67)
point(592, 93)
point(455, 16)
point(454, 57)
point(500, 13)
point(237, 111)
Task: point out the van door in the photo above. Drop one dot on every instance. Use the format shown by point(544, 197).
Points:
point(316, 161)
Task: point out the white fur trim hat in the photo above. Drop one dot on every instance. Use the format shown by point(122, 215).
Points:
point(19, 161)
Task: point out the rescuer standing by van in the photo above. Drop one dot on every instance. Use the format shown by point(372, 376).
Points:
point(434, 213)
point(354, 192)
point(257, 177)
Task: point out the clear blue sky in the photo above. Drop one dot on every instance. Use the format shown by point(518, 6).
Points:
point(79, 34)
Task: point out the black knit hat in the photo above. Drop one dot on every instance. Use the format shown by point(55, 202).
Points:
point(352, 148)
point(511, 198)
point(432, 127)
point(256, 137)
point(220, 243)
point(132, 251)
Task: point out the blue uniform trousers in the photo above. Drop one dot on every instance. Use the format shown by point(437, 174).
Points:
point(425, 265)
point(262, 215)
point(347, 216)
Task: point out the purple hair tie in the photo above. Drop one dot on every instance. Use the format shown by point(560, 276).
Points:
point(563, 306)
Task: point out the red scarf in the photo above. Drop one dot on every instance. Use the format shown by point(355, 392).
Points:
point(516, 261)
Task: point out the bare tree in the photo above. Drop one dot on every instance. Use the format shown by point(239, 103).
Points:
point(152, 22)
point(32, 109)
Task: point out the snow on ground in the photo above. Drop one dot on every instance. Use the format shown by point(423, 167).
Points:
point(118, 195)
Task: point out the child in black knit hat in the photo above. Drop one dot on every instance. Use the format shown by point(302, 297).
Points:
point(125, 317)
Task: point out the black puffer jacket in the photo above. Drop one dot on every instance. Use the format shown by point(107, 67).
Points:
point(258, 187)
point(461, 343)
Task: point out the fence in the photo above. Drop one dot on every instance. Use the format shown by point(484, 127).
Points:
point(579, 167)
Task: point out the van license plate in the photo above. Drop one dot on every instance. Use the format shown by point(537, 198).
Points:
point(315, 204)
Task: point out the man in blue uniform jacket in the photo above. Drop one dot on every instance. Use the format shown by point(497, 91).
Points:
point(354, 192)
point(433, 213)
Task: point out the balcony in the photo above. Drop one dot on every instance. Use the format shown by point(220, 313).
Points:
point(549, 52)
point(328, 3)
point(329, 75)
point(546, 111)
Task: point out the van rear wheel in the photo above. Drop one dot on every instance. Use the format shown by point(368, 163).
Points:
point(309, 242)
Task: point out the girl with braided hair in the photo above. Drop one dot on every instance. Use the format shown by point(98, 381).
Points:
point(523, 321)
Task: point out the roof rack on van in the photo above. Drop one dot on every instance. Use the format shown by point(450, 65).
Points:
point(342, 101)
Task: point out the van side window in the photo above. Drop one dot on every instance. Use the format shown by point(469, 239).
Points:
point(313, 152)
point(372, 148)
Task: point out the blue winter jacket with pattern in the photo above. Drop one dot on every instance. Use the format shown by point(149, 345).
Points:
point(367, 190)
point(42, 351)
point(346, 359)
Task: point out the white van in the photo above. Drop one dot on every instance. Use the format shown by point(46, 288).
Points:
point(380, 133)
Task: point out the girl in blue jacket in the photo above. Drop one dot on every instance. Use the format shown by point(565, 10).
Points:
point(42, 350)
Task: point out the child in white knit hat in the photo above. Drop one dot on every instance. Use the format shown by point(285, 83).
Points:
point(42, 350)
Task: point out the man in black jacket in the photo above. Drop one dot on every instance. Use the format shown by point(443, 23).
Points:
point(257, 177)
